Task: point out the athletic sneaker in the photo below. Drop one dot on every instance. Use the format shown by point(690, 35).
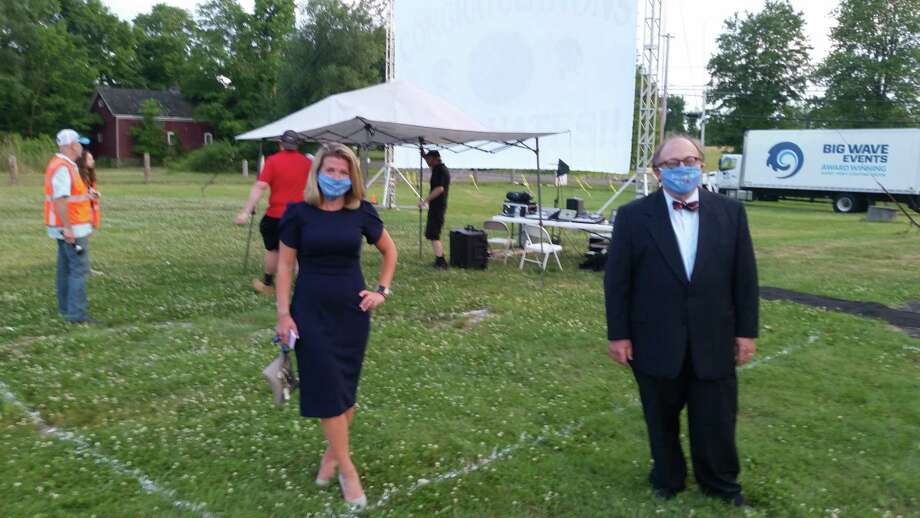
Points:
point(262, 288)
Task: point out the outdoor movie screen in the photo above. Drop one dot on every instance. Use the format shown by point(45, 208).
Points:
point(527, 65)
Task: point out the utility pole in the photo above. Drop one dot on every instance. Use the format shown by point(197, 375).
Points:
point(703, 122)
point(664, 83)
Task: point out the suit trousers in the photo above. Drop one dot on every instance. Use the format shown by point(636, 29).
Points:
point(712, 408)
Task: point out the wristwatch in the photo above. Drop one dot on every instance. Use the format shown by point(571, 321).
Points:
point(383, 290)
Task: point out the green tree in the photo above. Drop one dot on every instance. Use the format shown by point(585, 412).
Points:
point(272, 27)
point(108, 41)
point(165, 38)
point(339, 47)
point(149, 135)
point(759, 72)
point(871, 75)
point(693, 123)
point(46, 77)
point(676, 119)
point(237, 61)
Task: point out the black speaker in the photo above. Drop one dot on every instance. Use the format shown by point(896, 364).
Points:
point(468, 248)
point(576, 204)
point(518, 197)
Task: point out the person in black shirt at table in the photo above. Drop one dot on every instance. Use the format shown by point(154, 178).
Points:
point(437, 204)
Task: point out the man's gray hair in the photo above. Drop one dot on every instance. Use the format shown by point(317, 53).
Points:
point(656, 156)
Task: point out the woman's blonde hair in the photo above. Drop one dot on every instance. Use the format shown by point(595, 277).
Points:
point(313, 194)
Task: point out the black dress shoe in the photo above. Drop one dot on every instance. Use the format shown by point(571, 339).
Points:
point(734, 500)
point(739, 501)
point(663, 494)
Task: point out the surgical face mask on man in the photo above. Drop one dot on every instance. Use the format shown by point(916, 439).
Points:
point(333, 188)
point(681, 180)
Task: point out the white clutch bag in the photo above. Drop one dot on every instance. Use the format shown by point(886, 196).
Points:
point(280, 374)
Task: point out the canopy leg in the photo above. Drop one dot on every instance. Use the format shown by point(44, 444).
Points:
point(540, 207)
point(420, 151)
point(365, 162)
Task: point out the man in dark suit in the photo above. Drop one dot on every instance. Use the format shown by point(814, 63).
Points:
point(681, 293)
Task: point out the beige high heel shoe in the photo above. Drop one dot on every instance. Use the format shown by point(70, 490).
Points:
point(325, 482)
point(354, 504)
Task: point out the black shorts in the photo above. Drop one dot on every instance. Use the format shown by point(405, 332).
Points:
point(269, 229)
point(434, 225)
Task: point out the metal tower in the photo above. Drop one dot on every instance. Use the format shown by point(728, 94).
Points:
point(389, 155)
point(646, 134)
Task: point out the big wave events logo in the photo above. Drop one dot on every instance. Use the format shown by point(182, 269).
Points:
point(786, 159)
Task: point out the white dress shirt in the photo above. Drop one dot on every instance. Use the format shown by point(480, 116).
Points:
point(686, 225)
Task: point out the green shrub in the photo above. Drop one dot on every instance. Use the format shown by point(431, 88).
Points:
point(149, 135)
point(31, 153)
point(104, 162)
point(220, 156)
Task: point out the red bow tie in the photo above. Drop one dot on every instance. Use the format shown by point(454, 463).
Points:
point(691, 206)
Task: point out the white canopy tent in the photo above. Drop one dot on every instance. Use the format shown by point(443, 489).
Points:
point(397, 113)
point(390, 113)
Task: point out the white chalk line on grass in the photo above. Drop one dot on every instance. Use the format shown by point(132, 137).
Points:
point(786, 351)
point(496, 455)
point(22, 341)
point(82, 446)
point(527, 440)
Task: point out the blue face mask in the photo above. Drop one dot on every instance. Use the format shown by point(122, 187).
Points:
point(681, 180)
point(332, 188)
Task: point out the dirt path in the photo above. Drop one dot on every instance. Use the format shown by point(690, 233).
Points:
point(907, 319)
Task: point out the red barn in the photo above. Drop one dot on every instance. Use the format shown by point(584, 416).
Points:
point(120, 108)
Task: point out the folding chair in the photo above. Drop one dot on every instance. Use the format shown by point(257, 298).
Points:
point(538, 242)
point(506, 243)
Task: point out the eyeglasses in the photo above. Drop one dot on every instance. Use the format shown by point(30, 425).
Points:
point(690, 161)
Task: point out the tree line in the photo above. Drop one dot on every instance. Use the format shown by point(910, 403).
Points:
point(243, 69)
point(239, 69)
point(762, 75)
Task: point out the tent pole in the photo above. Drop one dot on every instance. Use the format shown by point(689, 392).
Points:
point(261, 161)
point(365, 163)
point(420, 151)
point(540, 207)
point(363, 150)
point(558, 190)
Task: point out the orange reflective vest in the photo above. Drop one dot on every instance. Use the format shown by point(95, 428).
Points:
point(79, 209)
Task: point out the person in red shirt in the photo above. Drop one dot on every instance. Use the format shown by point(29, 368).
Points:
point(285, 176)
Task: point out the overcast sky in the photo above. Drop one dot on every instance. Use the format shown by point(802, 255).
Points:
point(694, 24)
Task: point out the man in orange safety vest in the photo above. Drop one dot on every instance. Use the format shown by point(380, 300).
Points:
point(69, 218)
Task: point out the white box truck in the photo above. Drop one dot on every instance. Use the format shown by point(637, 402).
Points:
point(846, 165)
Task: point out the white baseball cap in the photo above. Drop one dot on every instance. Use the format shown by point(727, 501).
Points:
point(67, 136)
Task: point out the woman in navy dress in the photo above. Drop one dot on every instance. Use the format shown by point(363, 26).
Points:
point(330, 310)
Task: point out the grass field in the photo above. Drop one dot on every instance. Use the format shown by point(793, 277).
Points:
point(520, 414)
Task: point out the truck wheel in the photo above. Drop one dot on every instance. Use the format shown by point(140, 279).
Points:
point(914, 202)
point(846, 203)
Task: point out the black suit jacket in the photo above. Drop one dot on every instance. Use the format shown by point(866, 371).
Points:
point(651, 302)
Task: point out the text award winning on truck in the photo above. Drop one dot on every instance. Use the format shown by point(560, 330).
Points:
point(853, 167)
